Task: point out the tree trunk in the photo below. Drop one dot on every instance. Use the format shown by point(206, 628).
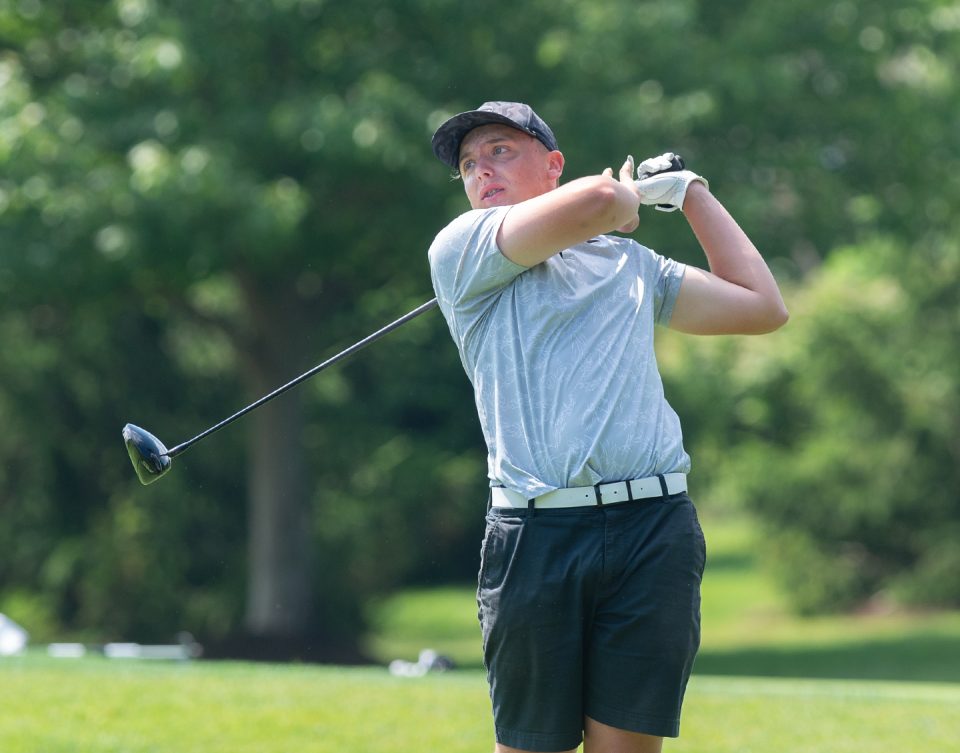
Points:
point(279, 586)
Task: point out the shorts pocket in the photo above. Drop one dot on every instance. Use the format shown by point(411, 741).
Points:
point(701, 540)
point(492, 524)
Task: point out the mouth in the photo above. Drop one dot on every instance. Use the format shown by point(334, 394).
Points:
point(491, 193)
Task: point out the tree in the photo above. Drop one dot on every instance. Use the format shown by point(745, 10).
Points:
point(843, 431)
point(202, 200)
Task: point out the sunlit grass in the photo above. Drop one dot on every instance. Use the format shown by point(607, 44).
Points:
point(737, 715)
point(444, 619)
point(748, 628)
point(96, 705)
point(743, 606)
point(102, 705)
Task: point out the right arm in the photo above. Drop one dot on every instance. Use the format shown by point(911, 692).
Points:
point(739, 296)
point(536, 229)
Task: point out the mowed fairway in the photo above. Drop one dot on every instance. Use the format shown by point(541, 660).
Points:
point(95, 704)
point(98, 705)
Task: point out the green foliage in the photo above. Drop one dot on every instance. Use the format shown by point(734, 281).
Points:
point(31, 609)
point(843, 430)
point(200, 200)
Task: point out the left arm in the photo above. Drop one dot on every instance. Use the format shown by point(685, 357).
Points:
point(738, 296)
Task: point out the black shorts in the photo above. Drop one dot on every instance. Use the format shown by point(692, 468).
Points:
point(590, 611)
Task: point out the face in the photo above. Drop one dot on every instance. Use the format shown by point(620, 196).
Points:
point(502, 166)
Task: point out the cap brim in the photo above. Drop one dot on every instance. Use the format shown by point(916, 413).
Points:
point(448, 138)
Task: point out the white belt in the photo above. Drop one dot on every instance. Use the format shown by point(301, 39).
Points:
point(601, 494)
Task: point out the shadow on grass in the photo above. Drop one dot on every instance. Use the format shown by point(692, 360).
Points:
point(315, 649)
point(931, 658)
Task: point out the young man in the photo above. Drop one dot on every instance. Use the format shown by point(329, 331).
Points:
point(589, 587)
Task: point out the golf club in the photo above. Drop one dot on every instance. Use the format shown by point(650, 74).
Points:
point(151, 459)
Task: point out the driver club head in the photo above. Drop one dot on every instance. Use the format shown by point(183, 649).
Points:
point(147, 453)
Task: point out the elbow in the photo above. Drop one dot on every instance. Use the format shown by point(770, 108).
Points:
point(610, 203)
point(780, 315)
point(784, 316)
point(774, 319)
point(604, 196)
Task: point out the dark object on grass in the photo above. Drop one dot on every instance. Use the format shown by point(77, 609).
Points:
point(151, 459)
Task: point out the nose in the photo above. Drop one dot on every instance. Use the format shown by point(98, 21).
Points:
point(484, 167)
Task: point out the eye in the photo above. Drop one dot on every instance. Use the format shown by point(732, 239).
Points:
point(467, 165)
point(500, 150)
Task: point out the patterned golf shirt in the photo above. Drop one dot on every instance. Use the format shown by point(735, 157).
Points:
point(561, 355)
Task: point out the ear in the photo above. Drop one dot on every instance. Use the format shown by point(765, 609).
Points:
point(554, 165)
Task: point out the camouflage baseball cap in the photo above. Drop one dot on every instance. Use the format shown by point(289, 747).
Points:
point(446, 141)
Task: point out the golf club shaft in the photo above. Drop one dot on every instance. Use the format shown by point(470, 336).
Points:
point(174, 451)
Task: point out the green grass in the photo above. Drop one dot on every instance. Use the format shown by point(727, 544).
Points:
point(748, 628)
point(741, 715)
point(102, 705)
point(444, 619)
point(96, 705)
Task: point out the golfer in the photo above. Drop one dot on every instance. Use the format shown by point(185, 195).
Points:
point(589, 585)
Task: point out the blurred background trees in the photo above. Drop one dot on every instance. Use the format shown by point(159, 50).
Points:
point(198, 201)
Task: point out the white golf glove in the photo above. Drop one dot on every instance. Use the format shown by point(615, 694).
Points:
point(663, 181)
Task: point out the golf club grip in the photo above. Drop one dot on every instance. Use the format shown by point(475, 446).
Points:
point(174, 451)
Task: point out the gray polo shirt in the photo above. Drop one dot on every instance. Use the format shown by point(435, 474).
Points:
point(561, 355)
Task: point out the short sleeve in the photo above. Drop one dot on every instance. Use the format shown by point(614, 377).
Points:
point(467, 267)
point(667, 277)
